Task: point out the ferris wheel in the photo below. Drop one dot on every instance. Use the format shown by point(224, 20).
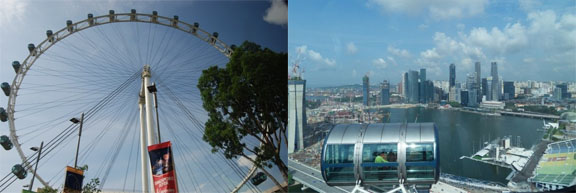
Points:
point(106, 68)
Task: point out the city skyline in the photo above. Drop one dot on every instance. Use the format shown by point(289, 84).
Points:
point(529, 40)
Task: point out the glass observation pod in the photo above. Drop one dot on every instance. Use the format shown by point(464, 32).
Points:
point(381, 154)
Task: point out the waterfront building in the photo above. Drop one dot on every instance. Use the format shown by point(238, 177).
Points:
point(452, 75)
point(509, 90)
point(423, 97)
point(385, 93)
point(478, 82)
point(413, 89)
point(496, 89)
point(405, 86)
point(472, 90)
point(296, 114)
point(496, 105)
point(464, 98)
point(366, 90)
point(489, 89)
point(484, 86)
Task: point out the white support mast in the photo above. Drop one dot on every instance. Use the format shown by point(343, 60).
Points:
point(146, 74)
point(147, 128)
point(143, 143)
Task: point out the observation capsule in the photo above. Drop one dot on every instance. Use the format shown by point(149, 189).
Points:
point(112, 16)
point(3, 115)
point(69, 25)
point(132, 14)
point(31, 48)
point(381, 154)
point(49, 35)
point(90, 19)
point(5, 142)
point(214, 37)
point(16, 65)
point(19, 171)
point(154, 16)
point(195, 28)
point(175, 21)
point(6, 88)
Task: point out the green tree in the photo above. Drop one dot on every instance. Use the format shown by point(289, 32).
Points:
point(92, 186)
point(248, 98)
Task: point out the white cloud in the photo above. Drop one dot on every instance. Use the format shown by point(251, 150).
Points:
point(379, 63)
point(277, 13)
point(354, 73)
point(351, 48)
point(436, 9)
point(398, 52)
point(315, 56)
point(545, 39)
point(508, 40)
point(11, 10)
point(430, 54)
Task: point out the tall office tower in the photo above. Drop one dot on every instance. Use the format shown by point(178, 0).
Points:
point(478, 82)
point(385, 93)
point(509, 90)
point(484, 87)
point(452, 75)
point(557, 93)
point(366, 90)
point(429, 91)
point(405, 86)
point(564, 88)
point(296, 114)
point(423, 96)
point(413, 86)
point(472, 90)
point(464, 100)
point(496, 89)
point(489, 89)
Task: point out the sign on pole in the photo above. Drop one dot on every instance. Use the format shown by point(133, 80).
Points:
point(73, 182)
point(163, 173)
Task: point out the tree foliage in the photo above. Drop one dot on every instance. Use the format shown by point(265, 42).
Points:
point(247, 98)
point(92, 186)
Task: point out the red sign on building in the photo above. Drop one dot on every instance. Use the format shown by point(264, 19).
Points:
point(163, 172)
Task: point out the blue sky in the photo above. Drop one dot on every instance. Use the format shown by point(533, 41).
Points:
point(76, 73)
point(530, 40)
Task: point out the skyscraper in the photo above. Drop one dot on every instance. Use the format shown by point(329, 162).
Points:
point(472, 90)
point(509, 90)
point(564, 89)
point(496, 89)
point(385, 93)
point(423, 96)
point(478, 82)
point(413, 86)
point(405, 86)
point(489, 89)
point(296, 114)
point(366, 90)
point(452, 79)
point(484, 87)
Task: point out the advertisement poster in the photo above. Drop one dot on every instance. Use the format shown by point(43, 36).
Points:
point(162, 163)
point(73, 181)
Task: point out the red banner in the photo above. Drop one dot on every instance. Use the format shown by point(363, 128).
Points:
point(163, 172)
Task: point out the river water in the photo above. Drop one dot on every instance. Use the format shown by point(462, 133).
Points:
point(461, 133)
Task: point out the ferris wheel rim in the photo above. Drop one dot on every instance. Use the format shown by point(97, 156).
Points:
point(93, 21)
